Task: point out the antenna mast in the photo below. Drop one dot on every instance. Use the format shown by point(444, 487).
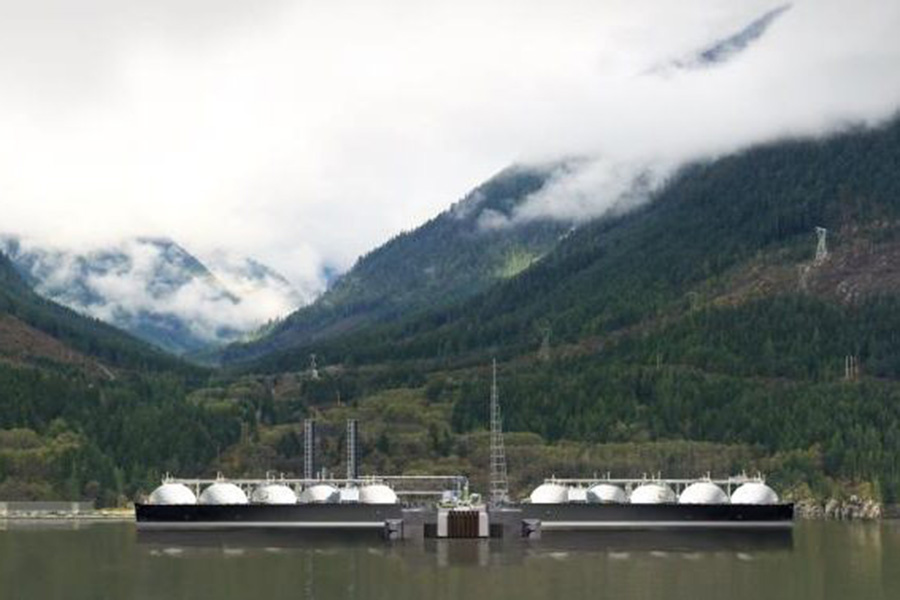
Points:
point(499, 483)
point(821, 247)
point(309, 449)
point(352, 453)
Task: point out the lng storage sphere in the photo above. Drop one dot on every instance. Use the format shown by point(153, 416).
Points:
point(223, 493)
point(377, 493)
point(652, 493)
point(577, 495)
point(273, 493)
point(703, 492)
point(754, 492)
point(606, 493)
point(172, 493)
point(550, 493)
point(321, 493)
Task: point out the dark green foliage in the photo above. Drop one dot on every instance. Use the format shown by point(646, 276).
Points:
point(107, 441)
point(855, 425)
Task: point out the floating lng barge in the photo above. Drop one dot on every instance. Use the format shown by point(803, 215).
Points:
point(336, 505)
point(387, 506)
point(416, 507)
point(675, 504)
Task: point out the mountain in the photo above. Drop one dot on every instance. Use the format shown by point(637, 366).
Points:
point(449, 259)
point(158, 291)
point(720, 233)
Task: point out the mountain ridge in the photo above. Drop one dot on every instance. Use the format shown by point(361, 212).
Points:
point(790, 187)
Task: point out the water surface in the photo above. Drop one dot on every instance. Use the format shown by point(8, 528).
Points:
point(110, 560)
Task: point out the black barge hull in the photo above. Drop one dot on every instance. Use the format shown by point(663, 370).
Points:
point(576, 517)
point(266, 516)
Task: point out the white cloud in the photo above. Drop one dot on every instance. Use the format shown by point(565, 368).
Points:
point(306, 133)
point(137, 282)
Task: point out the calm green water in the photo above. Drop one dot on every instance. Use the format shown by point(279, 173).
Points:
point(110, 560)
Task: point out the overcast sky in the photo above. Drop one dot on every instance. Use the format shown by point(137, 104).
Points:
point(305, 133)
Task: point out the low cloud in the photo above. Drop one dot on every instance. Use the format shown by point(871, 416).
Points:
point(305, 134)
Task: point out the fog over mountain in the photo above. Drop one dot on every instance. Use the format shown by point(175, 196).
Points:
point(157, 290)
point(305, 134)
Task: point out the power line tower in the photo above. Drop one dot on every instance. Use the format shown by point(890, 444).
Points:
point(851, 367)
point(313, 368)
point(822, 246)
point(499, 482)
point(544, 352)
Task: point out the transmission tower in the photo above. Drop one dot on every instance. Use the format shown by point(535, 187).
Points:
point(822, 246)
point(851, 367)
point(544, 353)
point(499, 482)
point(313, 368)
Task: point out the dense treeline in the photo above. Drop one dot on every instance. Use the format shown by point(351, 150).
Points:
point(795, 336)
point(61, 437)
point(855, 427)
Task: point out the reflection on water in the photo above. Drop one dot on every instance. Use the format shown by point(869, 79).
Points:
point(819, 560)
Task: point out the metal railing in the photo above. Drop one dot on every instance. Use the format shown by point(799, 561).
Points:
point(455, 483)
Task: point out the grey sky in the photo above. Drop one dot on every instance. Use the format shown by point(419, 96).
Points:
point(308, 132)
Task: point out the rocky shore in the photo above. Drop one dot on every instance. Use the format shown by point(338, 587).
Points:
point(852, 509)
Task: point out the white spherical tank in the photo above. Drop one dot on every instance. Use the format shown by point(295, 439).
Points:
point(606, 493)
point(172, 493)
point(652, 493)
point(754, 492)
point(321, 493)
point(550, 493)
point(349, 495)
point(377, 493)
point(703, 492)
point(577, 495)
point(223, 493)
point(273, 493)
